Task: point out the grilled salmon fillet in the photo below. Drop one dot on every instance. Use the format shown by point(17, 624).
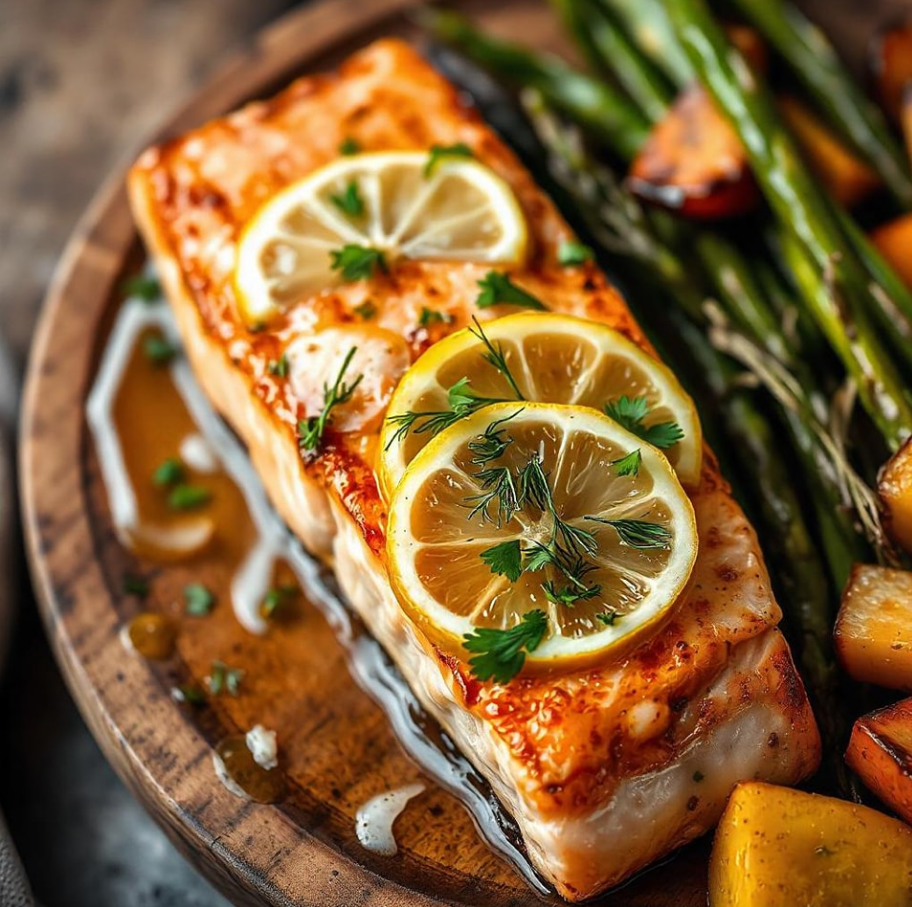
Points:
point(604, 770)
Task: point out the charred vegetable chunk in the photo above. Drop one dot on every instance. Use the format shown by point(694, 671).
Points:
point(777, 846)
point(895, 488)
point(880, 751)
point(693, 163)
point(874, 627)
point(894, 241)
point(890, 64)
point(845, 176)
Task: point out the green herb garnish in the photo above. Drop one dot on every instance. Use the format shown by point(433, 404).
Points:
point(349, 202)
point(170, 472)
point(638, 533)
point(188, 693)
point(441, 152)
point(198, 600)
point(628, 465)
point(349, 146)
point(571, 252)
point(188, 497)
point(608, 618)
point(158, 350)
point(278, 367)
point(365, 310)
point(136, 585)
point(500, 654)
point(505, 559)
point(630, 412)
point(496, 288)
point(148, 289)
point(225, 679)
point(275, 597)
point(311, 429)
point(357, 262)
point(432, 316)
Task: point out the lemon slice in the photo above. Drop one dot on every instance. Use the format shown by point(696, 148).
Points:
point(553, 359)
point(388, 201)
point(635, 533)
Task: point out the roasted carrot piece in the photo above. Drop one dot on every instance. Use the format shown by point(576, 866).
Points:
point(874, 627)
point(693, 163)
point(890, 65)
point(880, 752)
point(895, 484)
point(845, 176)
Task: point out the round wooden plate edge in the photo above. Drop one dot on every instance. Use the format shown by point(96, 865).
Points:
point(53, 497)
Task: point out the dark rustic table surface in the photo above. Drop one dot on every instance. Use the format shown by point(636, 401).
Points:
point(82, 84)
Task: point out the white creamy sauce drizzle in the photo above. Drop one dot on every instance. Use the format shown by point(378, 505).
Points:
point(370, 666)
point(198, 454)
point(374, 820)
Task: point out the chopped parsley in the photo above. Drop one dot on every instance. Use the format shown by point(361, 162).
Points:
point(136, 585)
point(432, 316)
point(311, 429)
point(158, 350)
point(188, 497)
point(276, 597)
point(356, 262)
point(198, 600)
point(500, 654)
point(572, 252)
point(505, 559)
point(497, 288)
point(349, 146)
point(170, 472)
point(278, 367)
point(349, 202)
point(188, 693)
point(148, 289)
point(224, 679)
point(365, 310)
point(628, 465)
point(630, 412)
point(441, 152)
point(608, 618)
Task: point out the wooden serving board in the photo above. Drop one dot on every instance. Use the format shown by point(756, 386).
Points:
point(337, 747)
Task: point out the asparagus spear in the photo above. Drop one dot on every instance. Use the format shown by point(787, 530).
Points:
point(608, 116)
point(815, 63)
point(800, 204)
point(600, 40)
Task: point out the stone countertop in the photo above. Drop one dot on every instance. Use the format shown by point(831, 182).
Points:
point(82, 84)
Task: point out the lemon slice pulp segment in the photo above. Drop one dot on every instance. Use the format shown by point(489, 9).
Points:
point(635, 534)
point(553, 358)
point(386, 201)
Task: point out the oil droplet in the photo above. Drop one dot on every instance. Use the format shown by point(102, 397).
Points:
point(374, 821)
point(240, 773)
point(152, 635)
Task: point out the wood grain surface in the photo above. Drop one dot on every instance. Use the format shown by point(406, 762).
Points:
point(337, 746)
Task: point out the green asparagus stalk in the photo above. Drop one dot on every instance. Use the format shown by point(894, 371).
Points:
point(600, 40)
point(608, 116)
point(817, 66)
point(799, 203)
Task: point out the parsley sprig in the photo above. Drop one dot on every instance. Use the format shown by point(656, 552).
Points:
point(356, 262)
point(496, 287)
point(349, 202)
point(439, 153)
point(630, 412)
point(311, 429)
point(500, 654)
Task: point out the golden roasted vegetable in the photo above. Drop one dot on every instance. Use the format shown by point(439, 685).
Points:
point(874, 627)
point(895, 491)
point(778, 847)
point(880, 752)
point(845, 176)
point(693, 162)
point(894, 242)
point(890, 63)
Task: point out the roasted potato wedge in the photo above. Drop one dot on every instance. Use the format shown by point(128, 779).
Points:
point(845, 176)
point(895, 484)
point(693, 163)
point(894, 241)
point(776, 846)
point(890, 65)
point(874, 626)
point(880, 751)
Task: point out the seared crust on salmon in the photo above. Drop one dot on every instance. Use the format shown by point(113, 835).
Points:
point(604, 770)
